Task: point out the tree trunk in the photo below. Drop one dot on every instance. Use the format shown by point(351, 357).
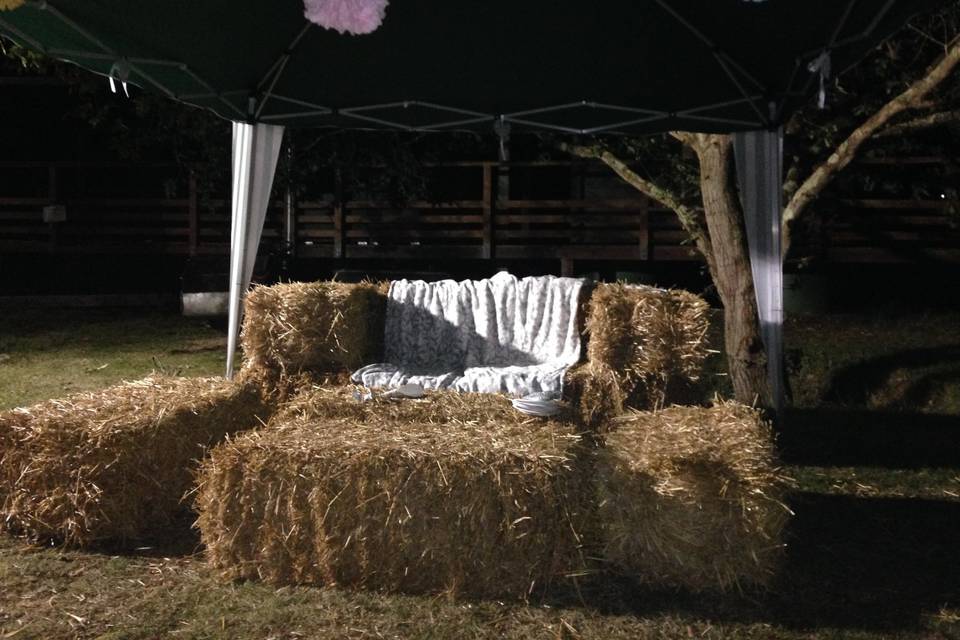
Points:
point(746, 358)
point(723, 243)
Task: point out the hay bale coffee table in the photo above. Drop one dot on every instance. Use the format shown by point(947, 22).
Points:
point(454, 494)
point(461, 494)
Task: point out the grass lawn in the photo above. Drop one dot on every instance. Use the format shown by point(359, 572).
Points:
point(873, 550)
point(46, 354)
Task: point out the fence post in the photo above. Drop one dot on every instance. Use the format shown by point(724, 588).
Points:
point(339, 231)
point(193, 215)
point(289, 223)
point(52, 183)
point(643, 233)
point(487, 210)
point(52, 195)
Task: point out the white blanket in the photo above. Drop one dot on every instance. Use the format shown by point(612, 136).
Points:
point(504, 334)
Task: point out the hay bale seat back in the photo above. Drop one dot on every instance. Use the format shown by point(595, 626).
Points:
point(114, 464)
point(454, 493)
point(640, 341)
point(692, 497)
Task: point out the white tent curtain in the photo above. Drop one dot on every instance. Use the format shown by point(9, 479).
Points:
point(256, 148)
point(759, 160)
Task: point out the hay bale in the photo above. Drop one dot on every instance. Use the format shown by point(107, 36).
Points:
point(113, 464)
point(649, 338)
point(594, 393)
point(317, 327)
point(692, 497)
point(454, 493)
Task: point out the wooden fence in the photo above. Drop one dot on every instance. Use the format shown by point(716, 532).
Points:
point(573, 211)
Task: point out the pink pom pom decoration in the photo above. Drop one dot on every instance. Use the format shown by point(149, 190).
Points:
point(346, 16)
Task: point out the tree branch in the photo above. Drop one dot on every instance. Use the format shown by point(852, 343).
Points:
point(847, 150)
point(689, 217)
point(687, 138)
point(922, 122)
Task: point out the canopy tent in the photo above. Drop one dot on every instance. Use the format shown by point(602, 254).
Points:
point(612, 66)
point(581, 67)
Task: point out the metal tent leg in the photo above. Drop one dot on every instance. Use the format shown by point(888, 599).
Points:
point(759, 159)
point(256, 148)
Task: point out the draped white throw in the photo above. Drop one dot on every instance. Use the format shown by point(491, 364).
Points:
point(503, 334)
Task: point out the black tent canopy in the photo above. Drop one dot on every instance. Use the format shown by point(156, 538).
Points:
point(609, 66)
point(584, 67)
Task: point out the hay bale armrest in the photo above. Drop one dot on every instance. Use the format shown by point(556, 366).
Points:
point(455, 493)
point(692, 497)
point(114, 464)
point(312, 327)
point(649, 340)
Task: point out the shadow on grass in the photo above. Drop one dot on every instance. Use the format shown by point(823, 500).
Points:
point(849, 437)
point(867, 562)
point(852, 563)
point(178, 538)
point(855, 384)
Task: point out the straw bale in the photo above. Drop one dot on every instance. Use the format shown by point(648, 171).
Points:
point(650, 338)
point(594, 394)
point(692, 497)
point(452, 493)
point(114, 464)
point(313, 327)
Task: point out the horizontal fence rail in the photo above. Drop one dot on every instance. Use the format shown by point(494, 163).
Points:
point(564, 211)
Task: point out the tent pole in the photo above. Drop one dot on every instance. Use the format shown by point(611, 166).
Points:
point(256, 148)
point(238, 241)
point(759, 161)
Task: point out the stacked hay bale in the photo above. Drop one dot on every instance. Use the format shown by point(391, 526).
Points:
point(453, 493)
point(692, 497)
point(642, 343)
point(114, 464)
point(312, 327)
point(460, 493)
